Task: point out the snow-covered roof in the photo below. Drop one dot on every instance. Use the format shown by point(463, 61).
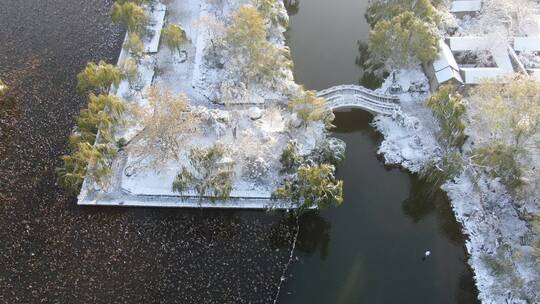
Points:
point(447, 74)
point(499, 51)
point(526, 44)
point(535, 73)
point(470, 43)
point(445, 66)
point(475, 75)
point(465, 6)
point(445, 59)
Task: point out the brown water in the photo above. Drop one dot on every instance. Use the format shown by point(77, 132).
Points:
point(52, 251)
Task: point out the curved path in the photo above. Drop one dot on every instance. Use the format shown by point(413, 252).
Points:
point(355, 96)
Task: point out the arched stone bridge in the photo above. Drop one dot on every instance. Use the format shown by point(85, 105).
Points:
point(355, 96)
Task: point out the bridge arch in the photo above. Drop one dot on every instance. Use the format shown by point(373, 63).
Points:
point(355, 96)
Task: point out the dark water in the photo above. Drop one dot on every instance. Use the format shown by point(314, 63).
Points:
point(370, 249)
point(328, 40)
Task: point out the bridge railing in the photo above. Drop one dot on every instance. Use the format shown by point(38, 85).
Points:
point(358, 96)
point(359, 90)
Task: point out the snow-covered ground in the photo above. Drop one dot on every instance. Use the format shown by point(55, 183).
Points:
point(506, 268)
point(253, 134)
point(500, 237)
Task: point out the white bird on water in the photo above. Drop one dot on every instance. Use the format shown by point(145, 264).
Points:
point(427, 253)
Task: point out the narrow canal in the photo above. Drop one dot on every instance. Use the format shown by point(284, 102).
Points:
point(370, 249)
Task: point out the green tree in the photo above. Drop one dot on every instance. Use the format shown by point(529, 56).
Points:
point(258, 60)
point(211, 175)
point(310, 107)
point(387, 9)
point(268, 9)
point(448, 107)
point(290, 158)
point(509, 110)
point(313, 186)
point(392, 43)
point(89, 158)
point(131, 15)
point(134, 45)
point(173, 36)
point(98, 77)
point(86, 160)
point(247, 29)
point(102, 113)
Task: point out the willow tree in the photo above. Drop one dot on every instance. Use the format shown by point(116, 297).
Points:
point(393, 43)
point(448, 107)
point(313, 186)
point(89, 158)
point(86, 160)
point(173, 36)
point(103, 113)
point(98, 78)
point(130, 70)
point(310, 107)
point(131, 15)
point(134, 45)
point(210, 174)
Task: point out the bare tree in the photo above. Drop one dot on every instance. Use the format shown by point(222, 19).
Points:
point(167, 123)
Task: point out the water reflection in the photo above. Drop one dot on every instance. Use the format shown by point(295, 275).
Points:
point(292, 6)
point(313, 236)
point(367, 78)
point(424, 200)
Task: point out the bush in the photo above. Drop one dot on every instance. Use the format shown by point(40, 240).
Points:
point(290, 158)
point(134, 45)
point(182, 181)
point(86, 160)
point(331, 151)
point(448, 107)
point(499, 160)
point(211, 175)
point(255, 168)
point(173, 35)
point(436, 173)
